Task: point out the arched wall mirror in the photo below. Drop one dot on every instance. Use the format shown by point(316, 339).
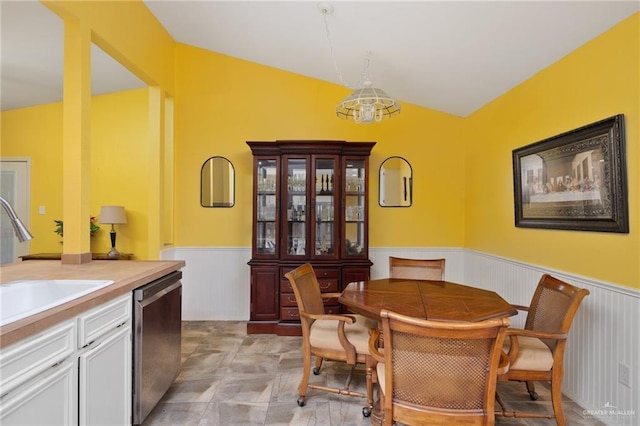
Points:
point(396, 183)
point(217, 181)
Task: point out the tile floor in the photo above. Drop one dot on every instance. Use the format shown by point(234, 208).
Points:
point(231, 378)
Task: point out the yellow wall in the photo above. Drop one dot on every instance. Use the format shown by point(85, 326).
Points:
point(119, 167)
point(36, 133)
point(596, 81)
point(222, 102)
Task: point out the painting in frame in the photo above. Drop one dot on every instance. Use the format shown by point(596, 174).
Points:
point(576, 180)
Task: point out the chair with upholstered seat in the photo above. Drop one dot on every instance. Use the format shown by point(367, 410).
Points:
point(438, 372)
point(416, 269)
point(536, 352)
point(329, 336)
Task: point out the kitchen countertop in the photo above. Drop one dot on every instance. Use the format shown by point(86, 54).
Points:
point(127, 276)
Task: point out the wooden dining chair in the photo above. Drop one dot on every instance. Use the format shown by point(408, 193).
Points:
point(329, 336)
point(438, 372)
point(536, 352)
point(416, 269)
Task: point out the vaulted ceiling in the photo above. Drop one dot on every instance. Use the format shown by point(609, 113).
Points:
point(452, 56)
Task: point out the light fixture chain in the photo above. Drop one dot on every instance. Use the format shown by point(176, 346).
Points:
point(366, 104)
point(366, 76)
point(333, 56)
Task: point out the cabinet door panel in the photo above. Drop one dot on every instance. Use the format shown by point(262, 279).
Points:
point(105, 381)
point(264, 293)
point(266, 208)
point(355, 209)
point(50, 399)
point(325, 219)
point(295, 232)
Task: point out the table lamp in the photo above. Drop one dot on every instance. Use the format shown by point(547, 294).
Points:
point(113, 215)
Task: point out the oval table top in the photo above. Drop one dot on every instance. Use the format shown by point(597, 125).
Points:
point(433, 300)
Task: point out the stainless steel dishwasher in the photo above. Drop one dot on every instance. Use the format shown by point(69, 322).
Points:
point(157, 331)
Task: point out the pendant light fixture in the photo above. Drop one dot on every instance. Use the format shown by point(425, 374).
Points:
point(366, 104)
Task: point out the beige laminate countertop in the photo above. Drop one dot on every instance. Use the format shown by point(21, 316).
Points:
point(127, 276)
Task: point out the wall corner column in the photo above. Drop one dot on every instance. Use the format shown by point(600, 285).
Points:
point(76, 128)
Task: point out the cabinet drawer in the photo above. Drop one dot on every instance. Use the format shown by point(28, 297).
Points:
point(99, 321)
point(292, 314)
point(288, 313)
point(326, 286)
point(326, 273)
point(321, 273)
point(289, 299)
point(30, 357)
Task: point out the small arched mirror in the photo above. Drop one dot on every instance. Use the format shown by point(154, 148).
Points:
point(217, 181)
point(396, 178)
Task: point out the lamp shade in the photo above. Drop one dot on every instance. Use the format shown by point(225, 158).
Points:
point(113, 215)
point(368, 105)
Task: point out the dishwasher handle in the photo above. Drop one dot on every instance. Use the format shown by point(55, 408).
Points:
point(158, 287)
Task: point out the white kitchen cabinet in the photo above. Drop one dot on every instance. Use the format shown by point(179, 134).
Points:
point(105, 380)
point(49, 399)
point(39, 376)
point(105, 364)
point(77, 372)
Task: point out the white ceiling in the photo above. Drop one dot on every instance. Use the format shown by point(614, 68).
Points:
point(32, 58)
point(451, 56)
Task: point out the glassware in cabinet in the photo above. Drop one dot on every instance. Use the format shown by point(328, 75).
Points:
point(324, 228)
point(297, 209)
point(266, 205)
point(355, 207)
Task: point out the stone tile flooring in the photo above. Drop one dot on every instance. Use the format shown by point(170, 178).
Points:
point(231, 378)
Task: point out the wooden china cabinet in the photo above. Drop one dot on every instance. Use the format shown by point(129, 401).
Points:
point(310, 204)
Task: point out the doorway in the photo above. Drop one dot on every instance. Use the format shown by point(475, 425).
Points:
point(15, 188)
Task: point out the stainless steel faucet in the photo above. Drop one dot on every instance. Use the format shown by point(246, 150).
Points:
point(21, 231)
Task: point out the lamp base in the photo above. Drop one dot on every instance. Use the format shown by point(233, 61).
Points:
point(113, 252)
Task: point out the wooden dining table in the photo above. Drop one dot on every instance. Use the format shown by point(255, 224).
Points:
point(432, 300)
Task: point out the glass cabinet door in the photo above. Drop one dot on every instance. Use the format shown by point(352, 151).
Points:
point(296, 229)
point(355, 243)
point(324, 224)
point(266, 207)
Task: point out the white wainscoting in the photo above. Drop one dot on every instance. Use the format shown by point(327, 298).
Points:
point(215, 282)
point(605, 332)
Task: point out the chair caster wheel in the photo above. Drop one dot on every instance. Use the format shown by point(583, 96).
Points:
point(301, 401)
point(316, 371)
point(366, 411)
point(533, 395)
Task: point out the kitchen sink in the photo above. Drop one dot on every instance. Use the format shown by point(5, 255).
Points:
point(20, 299)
